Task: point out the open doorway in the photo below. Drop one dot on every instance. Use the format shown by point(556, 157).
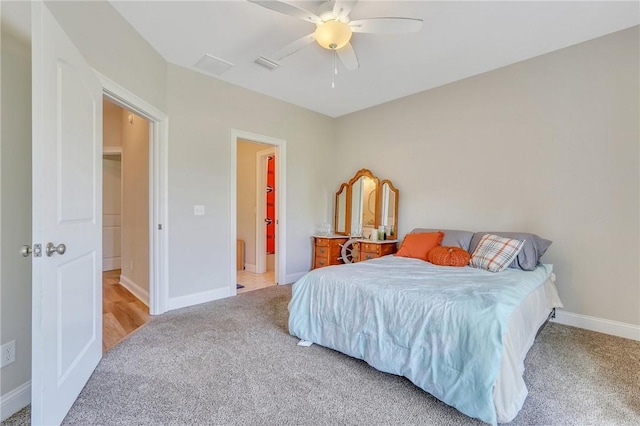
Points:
point(125, 219)
point(256, 215)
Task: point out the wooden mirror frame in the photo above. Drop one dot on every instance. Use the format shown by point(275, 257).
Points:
point(344, 187)
point(378, 200)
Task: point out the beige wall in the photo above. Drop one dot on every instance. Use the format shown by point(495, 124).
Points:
point(111, 187)
point(549, 145)
point(111, 125)
point(135, 205)
point(15, 197)
point(203, 111)
point(246, 199)
point(130, 201)
point(111, 211)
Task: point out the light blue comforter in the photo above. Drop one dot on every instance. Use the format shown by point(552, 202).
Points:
point(441, 327)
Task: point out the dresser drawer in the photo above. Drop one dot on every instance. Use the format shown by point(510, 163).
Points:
point(327, 251)
point(370, 248)
point(322, 250)
point(320, 262)
point(323, 242)
point(374, 250)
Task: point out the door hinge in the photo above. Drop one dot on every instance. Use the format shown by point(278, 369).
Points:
point(37, 250)
point(159, 227)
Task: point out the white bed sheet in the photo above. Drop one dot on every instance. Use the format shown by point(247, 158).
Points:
point(523, 325)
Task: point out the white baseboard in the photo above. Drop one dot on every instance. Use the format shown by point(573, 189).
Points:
point(292, 278)
point(197, 298)
point(15, 400)
point(111, 263)
point(135, 289)
point(250, 268)
point(614, 328)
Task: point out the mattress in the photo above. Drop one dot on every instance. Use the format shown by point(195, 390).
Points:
point(460, 334)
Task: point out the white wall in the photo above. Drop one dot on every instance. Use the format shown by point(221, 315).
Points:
point(203, 111)
point(15, 223)
point(549, 145)
point(246, 199)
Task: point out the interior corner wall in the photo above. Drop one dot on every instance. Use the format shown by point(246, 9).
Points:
point(114, 48)
point(203, 112)
point(15, 223)
point(135, 204)
point(246, 199)
point(549, 145)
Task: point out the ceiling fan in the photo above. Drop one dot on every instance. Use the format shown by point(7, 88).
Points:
point(334, 28)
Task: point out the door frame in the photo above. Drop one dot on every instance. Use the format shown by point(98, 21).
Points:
point(261, 204)
point(158, 189)
point(281, 197)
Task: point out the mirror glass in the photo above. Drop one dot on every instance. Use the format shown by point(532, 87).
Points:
point(389, 206)
point(363, 203)
point(340, 223)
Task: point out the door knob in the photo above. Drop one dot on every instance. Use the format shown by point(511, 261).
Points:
point(25, 250)
point(51, 249)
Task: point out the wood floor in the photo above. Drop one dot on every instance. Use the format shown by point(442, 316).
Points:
point(122, 312)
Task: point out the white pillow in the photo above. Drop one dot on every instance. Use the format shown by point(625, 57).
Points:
point(495, 253)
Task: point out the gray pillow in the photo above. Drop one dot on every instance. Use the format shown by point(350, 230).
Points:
point(452, 238)
point(529, 257)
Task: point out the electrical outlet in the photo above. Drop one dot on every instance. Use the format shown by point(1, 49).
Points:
point(198, 210)
point(8, 353)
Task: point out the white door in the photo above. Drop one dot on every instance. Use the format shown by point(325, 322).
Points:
point(67, 287)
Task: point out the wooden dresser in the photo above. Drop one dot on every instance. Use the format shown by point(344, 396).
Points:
point(326, 250)
point(373, 249)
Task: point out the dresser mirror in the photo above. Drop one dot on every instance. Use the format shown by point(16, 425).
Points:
point(389, 207)
point(364, 203)
point(340, 220)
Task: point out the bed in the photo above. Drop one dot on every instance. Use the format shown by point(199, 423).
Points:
point(460, 334)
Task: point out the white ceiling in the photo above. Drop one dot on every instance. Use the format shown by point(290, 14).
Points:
point(458, 40)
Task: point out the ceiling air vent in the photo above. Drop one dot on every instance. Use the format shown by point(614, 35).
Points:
point(213, 65)
point(267, 63)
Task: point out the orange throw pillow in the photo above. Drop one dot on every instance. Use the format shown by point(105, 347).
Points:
point(419, 245)
point(449, 256)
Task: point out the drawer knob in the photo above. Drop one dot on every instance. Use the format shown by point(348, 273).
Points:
point(322, 250)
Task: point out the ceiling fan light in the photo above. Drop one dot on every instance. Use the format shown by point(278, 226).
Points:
point(333, 35)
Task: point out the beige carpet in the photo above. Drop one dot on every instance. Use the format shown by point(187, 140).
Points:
point(232, 362)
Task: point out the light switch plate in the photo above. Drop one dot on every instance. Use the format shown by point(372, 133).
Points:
point(198, 210)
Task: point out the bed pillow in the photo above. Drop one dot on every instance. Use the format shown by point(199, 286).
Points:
point(452, 237)
point(495, 253)
point(449, 256)
point(529, 256)
point(419, 245)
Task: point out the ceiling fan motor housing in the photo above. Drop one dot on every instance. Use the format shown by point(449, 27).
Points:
point(333, 35)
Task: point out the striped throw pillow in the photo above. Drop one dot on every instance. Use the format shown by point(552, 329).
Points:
point(495, 253)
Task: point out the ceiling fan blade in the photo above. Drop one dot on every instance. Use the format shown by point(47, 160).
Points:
point(289, 9)
point(342, 8)
point(294, 47)
point(348, 57)
point(386, 25)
